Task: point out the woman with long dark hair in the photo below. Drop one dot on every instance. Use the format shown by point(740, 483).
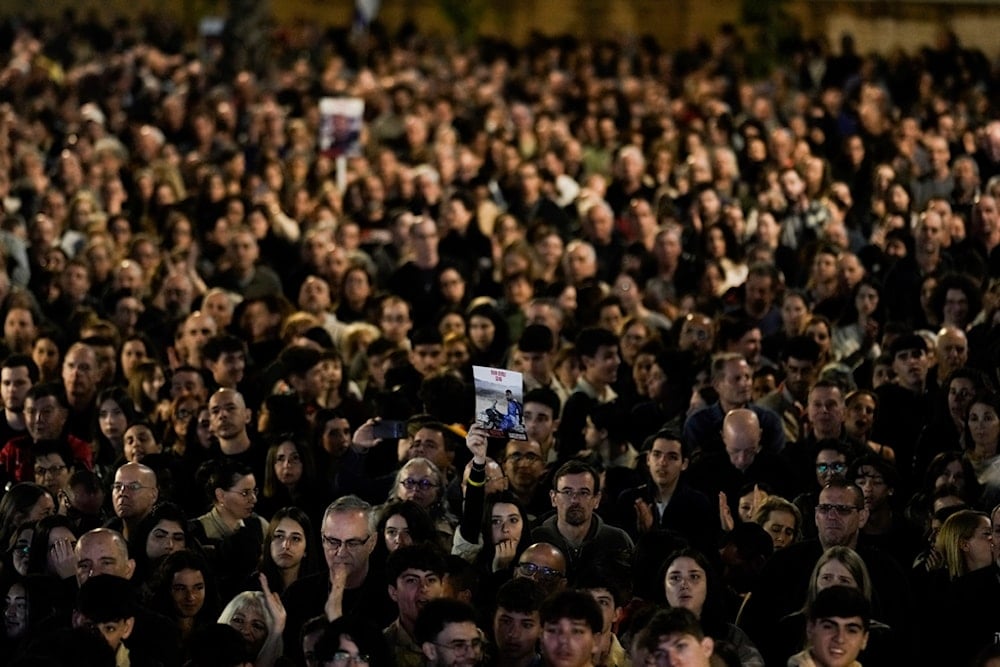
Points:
point(289, 552)
point(184, 591)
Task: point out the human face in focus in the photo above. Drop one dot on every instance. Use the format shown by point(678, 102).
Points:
point(834, 573)
point(781, 526)
point(736, 384)
point(413, 589)
point(396, 533)
point(249, 622)
point(840, 525)
point(836, 642)
point(347, 528)
point(506, 523)
point(288, 544)
point(140, 443)
point(166, 537)
point(240, 498)
point(666, 462)
point(567, 643)
point(686, 585)
point(574, 498)
point(516, 633)
point(984, 426)
point(417, 482)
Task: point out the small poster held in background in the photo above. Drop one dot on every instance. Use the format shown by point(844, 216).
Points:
point(340, 121)
point(500, 402)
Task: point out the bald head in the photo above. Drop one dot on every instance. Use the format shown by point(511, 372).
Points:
point(545, 564)
point(134, 492)
point(102, 551)
point(952, 350)
point(741, 434)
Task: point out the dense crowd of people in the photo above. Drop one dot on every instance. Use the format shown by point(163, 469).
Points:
point(755, 319)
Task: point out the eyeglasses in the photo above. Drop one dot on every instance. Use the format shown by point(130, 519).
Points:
point(246, 493)
point(463, 645)
point(530, 570)
point(343, 658)
point(838, 468)
point(583, 494)
point(528, 457)
point(51, 470)
point(351, 544)
point(131, 487)
point(414, 484)
point(842, 510)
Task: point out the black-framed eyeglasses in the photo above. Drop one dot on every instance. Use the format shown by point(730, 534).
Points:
point(530, 570)
point(463, 645)
point(837, 468)
point(414, 484)
point(842, 510)
point(351, 545)
point(343, 658)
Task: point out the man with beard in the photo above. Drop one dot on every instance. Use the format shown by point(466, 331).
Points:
point(448, 635)
point(579, 533)
point(416, 575)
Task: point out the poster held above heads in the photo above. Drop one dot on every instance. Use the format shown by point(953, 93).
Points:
point(500, 402)
point(340, 126)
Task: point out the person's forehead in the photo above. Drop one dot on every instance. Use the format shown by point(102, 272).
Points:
point(502, 611)
point(43, 401)
point(345, 522)
point(830, 455)
point(837, 494)
point(523, 446)
point(842, 620)
point(825, 394)
point(576, 479)
point(666, 446)
point(461, 630)
point(536, 407)
point(100, 545)
point(429, 434)
point(226, 399)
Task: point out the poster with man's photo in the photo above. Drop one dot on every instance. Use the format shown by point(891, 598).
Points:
point(500, 402)
point(340, 121)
